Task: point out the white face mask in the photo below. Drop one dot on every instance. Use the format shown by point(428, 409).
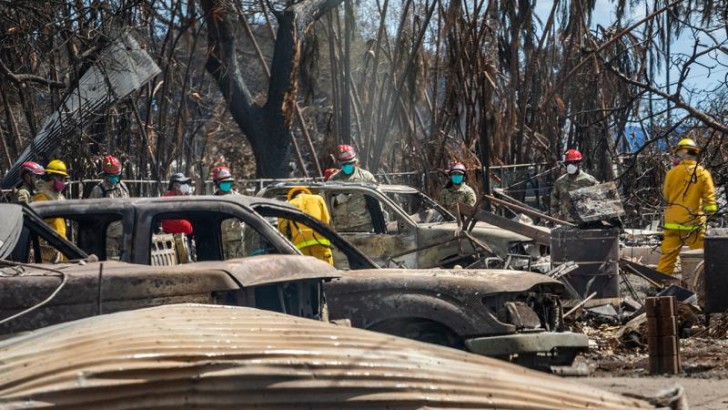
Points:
point(185, 189)
point(572, 169)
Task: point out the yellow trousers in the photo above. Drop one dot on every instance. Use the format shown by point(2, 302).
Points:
point(319, 252)
point(673, 240)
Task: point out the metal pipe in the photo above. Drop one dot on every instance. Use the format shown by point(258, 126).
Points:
point(98, 300)
point(527, 211)
point(580, 304)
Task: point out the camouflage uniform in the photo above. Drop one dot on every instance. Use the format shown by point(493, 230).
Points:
point(115, 231)
point(561, 206)
point(232, 234)
point(24, 194)
point(232, 238)
point(450, 196)
point(349, 211)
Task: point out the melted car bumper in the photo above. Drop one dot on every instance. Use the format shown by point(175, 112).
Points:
point(522, 343)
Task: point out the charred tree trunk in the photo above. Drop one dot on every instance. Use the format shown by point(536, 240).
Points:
point(267, 127)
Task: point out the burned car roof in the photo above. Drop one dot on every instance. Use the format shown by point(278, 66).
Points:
point(257, 209)
point(121, 203)
point(223, 357)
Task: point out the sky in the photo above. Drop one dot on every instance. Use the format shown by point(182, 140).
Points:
point(699, 77)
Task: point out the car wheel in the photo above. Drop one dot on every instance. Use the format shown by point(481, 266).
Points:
point(421, 330)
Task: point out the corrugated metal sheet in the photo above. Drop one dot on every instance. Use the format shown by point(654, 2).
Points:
point(210, 357)
point(122, 68)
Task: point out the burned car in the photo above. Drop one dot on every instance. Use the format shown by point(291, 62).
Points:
point(214, 357)
point(461, 308)
point(514, 315)
point(210, 217)
point(38, 294)
point(410, 230)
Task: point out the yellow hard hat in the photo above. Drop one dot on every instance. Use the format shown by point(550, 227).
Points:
point(56, 167)
point(297, 189)
point(688, 144)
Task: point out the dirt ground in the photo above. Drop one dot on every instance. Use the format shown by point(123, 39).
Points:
point(702, 394)
point(704, 360)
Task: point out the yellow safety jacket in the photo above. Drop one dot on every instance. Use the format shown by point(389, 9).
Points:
point(302, 236)
point(688, 191)
point(58, 224)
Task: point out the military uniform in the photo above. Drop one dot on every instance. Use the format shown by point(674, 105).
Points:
point(561, 206)
point(232, 238)
point(349, 211)
point(232, 230)
point(688, 190)
point(115, 231)
point(24, 194)
point(450, 196)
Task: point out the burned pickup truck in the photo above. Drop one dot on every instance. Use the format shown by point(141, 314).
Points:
point(35, 294)
point(410, 230)
point(520, 311)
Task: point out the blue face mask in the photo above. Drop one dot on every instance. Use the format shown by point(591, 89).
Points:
point(457, 179)
point(114, 179)
point(347, 169)
point(226, 186)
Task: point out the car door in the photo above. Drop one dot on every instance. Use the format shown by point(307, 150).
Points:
point(379, 230)
point(346, 255)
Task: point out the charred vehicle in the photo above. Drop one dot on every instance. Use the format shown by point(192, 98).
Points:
point(35, 294)
point(410, 230)
point(161, 358)
point(508, 314)
point(520, 311)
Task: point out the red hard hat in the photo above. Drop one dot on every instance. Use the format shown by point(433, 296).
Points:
point(345, 153)
point(111, 165)
point(458, 167)
point(572, 155)
point(30, 166)
point(222, 173)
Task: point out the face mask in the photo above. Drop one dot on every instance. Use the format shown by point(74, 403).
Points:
point(59, 185)
point(572, 169)
point(114, 179)
point(347, 169)
point(185, 189)
point(226, 186)
point(457, 179)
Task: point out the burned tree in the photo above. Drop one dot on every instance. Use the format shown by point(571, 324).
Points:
point(267, 126)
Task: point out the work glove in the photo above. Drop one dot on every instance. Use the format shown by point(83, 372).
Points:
point(341, 199)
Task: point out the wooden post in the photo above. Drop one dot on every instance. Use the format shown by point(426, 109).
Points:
point(662, 335)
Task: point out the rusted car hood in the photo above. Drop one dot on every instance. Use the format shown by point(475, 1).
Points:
point(251, 271)
point(80, 291)
point(221, 357)
point(270, 269)
point(486, 281)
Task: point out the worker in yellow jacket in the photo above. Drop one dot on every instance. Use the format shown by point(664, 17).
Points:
point(306, 239)
point(689, 195)
point(51, 188)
